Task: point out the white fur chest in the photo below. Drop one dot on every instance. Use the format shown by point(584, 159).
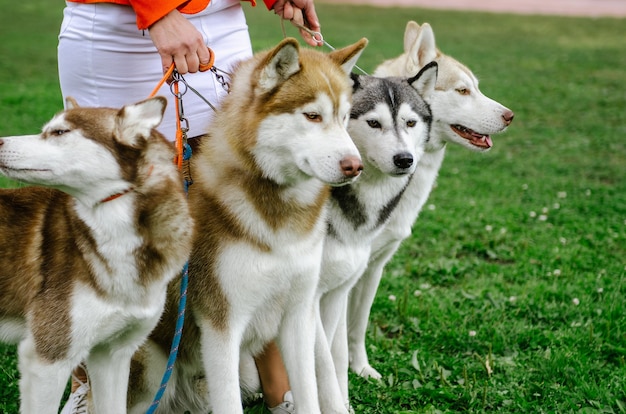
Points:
point(275, 280)
point(413, 199)
point(113, 262)
point(357, 215)
point(109, 321)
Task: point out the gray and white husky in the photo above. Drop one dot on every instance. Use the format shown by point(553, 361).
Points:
point(461, 115)
point(390, 125)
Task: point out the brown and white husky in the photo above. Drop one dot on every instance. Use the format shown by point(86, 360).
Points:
point(85, 262)
point(262, 179)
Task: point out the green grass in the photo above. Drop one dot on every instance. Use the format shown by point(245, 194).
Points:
point(509, 296)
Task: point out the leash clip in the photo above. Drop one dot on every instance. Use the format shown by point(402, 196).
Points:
point(178, 94)
point(221, 78)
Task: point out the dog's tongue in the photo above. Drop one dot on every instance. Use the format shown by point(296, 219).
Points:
point(481, 140)
point(489, 142)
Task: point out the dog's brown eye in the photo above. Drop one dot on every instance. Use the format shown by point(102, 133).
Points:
point(374, 124)
point(411, 123)
point(312, 116)
point(463, 91)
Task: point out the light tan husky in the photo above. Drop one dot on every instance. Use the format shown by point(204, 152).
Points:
point(461, 115)
point(261, 183)
point(85, 263)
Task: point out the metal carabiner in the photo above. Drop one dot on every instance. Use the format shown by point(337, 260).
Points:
point(221, 78)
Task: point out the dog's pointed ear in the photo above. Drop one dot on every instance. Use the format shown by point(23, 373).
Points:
point(348, 56)
point(280, 64)
point(423, 50)
point(137, 121)
point(424, 82)
point(410, 35)
point(70, 103)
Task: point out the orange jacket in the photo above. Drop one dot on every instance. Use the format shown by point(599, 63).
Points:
point(149, 11)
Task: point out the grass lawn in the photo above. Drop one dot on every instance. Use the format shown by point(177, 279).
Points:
point(509, 297)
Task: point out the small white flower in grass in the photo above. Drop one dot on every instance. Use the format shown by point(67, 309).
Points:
point(488, 228)
point(417, 293)
point(503, 230)
point(563, 240)
point(542, 217)
point(512, 299)
point(588, 192)
point(576, 301)
point(545, 210)
point(431, 207)
point(532, 214)
point(561, 194)
point(392, 298)
point(524, 187)
point(600, 290)
point(557, 272)
point(425, 286)
point(472, 333)
point(556, 206)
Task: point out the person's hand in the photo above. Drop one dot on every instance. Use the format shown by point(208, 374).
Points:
point(180, 42)
point(301, 12)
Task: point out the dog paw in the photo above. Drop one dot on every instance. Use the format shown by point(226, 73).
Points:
point(369, 372)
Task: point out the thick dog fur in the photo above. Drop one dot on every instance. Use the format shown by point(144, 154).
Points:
point(390, 124)
point(86, 262)
point(261, 184)
point(461, 115)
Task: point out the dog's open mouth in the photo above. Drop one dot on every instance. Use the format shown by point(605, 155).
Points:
point(475, 138)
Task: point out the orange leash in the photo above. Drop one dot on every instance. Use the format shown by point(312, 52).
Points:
point(180, 320)
point(179, 131)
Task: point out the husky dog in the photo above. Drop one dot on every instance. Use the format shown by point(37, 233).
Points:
point(390, 124)
point(461, 115)
point(86, 261)
point(261, 184)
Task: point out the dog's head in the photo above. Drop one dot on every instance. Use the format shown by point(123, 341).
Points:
point(461, 112)
point(89, 153)
point(297, 103)
point(390, 122)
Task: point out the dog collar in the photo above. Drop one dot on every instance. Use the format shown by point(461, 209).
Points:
point(128, 190)
point(114, 196)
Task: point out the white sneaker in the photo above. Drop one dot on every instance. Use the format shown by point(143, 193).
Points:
point(77, 403)
point(285, 407)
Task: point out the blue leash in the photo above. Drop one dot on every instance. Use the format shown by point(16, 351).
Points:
point(181, 316)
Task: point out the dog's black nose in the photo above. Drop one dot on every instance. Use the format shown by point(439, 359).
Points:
point(403, 160)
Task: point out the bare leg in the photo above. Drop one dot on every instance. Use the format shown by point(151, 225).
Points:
point(79, 377)
point(273, 375)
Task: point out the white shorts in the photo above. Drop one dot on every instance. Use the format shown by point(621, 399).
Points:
point(104, 60)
